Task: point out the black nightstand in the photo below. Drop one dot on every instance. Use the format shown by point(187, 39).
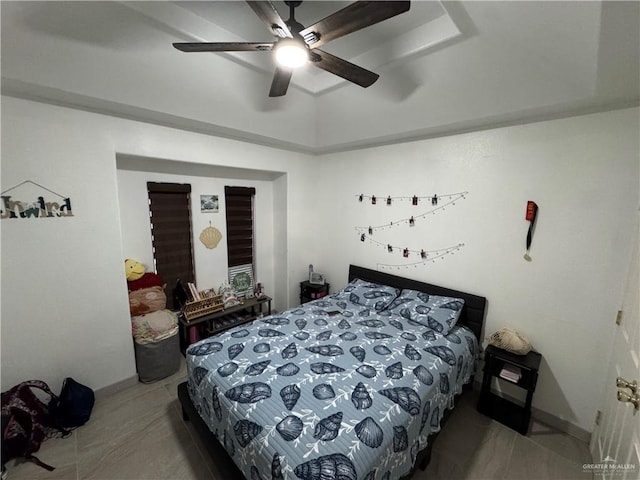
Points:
point(505, 411)
point(312, 291)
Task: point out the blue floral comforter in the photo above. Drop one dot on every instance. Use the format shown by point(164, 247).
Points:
point(314, 394)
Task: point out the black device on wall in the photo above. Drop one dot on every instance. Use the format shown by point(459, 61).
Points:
point(532, 213)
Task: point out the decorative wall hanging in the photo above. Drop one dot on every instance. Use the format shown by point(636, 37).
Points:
point(437, 202)
point(532, 213)
point(414, 199)
point(209, 203)
point(210, 236)
point(426, 256)
point(34, 209)
point(440, 202)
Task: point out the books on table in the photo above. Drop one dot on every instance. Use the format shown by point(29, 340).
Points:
point(511, 373)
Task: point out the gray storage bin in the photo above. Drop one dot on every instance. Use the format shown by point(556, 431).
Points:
point(155, 361)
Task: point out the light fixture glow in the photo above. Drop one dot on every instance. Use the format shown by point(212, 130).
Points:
point(291, 53)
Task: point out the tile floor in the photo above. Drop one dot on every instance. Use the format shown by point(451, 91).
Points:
point(139, 434)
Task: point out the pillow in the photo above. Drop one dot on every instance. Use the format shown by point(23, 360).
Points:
point(147, 300)
point(435, 312)
point(367, 294)
point(154, 326)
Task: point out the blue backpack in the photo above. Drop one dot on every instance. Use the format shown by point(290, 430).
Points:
point(72, 408)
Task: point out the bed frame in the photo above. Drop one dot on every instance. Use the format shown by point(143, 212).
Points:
point(472, 315)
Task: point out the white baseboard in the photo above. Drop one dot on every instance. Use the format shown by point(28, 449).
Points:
point(547, 418)
point(116, 387)
point(562, 425)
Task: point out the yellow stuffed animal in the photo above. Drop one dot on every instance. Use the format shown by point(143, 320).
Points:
point(138, 279)
point(146, 290)
point(133, 269)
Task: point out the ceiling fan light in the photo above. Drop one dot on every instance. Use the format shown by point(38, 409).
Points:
point(291, 53)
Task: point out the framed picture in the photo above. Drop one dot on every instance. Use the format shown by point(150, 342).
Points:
point(209, 203)
point(241, 279)
point(316, 278)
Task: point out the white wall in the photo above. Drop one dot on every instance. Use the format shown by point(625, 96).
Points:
point(64, 302)
point(583, 174)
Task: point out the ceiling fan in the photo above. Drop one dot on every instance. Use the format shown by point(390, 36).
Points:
point(297, 45)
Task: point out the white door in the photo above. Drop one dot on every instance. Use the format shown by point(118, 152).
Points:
point(615, 444)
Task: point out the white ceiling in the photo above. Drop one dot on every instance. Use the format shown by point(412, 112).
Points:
point(445, 67)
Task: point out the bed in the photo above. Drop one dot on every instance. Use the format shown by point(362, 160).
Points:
point(353, 386)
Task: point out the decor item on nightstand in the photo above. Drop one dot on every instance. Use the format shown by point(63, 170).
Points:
point(511, 341)
point(316, 278)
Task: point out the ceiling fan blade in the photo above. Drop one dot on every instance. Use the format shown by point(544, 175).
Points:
point(271, 18)
point(223, 47)
point(356, 16)
point(280, 82)
point(342, 68)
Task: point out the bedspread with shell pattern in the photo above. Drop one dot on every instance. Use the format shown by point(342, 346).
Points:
point(314, 395)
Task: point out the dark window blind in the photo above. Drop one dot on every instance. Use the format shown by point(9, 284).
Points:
point(170, 212)
point(239, 210)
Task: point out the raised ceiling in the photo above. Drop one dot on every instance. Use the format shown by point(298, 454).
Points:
point(445, 67)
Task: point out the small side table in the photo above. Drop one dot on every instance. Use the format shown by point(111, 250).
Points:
point(505, 411)
point(312, 291)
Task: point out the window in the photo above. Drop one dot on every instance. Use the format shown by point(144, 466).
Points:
point(170, 212)
point(239, 211)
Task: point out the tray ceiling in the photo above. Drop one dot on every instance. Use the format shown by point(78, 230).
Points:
point(445, 67)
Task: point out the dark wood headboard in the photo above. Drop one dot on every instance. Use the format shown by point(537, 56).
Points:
point(473, 312)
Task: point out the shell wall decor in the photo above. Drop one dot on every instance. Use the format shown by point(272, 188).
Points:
point(210, 237)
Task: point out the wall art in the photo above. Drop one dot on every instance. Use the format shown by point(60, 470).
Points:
point(436, 204)
point(209, 203)
point(210, 237)
point(241, 279)
point(38, 208)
